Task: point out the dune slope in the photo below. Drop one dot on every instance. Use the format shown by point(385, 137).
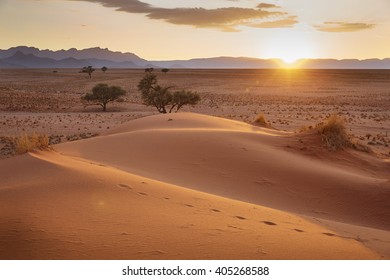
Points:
point(186, 186)
point(242, 162)
point(61, 208)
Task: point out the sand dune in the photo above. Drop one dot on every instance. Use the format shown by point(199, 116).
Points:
point(187, 186)
point(243, 162)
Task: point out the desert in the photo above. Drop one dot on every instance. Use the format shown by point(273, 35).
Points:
point(204, 183)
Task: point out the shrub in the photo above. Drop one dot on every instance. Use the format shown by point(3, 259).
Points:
point(261, 121)
point(25, 143)
point(333, 133)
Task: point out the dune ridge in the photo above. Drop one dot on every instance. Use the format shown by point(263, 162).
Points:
point(241, 161)
point(188, 186)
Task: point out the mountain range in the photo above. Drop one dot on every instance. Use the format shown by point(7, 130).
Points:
point(31, 57)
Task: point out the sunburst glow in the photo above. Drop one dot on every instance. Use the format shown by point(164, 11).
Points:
point(289, 48)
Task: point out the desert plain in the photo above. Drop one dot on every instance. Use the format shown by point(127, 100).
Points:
point(203, 183)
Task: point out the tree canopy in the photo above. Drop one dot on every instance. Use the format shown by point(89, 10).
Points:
point(183, 97)
point(88, 70)
point(161, 97)
point(102, 94)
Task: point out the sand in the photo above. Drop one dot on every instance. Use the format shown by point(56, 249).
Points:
point(38, 99)
point(133, 185)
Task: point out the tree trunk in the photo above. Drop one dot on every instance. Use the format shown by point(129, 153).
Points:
point(178, 107)
point(173, 106)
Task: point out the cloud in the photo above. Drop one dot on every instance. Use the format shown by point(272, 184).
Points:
point(225, 19)
point(282, 23)
point(267, 6)
point(337, 26)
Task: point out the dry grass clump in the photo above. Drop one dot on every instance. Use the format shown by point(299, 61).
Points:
point(333, 133)
point(25, 143)
point(261, 121)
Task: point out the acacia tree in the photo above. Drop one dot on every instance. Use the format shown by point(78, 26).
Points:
point(154, 95)
point(88, 70)
point(104, 69)
point(165, 70)
point(160, 97)
point(102, 94)
point(183, 97)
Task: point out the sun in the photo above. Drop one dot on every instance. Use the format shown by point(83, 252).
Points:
point(289, 60)
point(289, 48)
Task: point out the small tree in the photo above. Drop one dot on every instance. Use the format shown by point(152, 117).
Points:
point(165, 70)
point(149, 70)
point(153, 94)
point(88, 70)
point(104, 69)
point(160, 97)
point(183, 97)
point(102, 94)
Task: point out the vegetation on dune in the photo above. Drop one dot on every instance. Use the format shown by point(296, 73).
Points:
point(102, 94)
point(333, 133)
point(261, 121)
point(25, 143)
point(161, 97)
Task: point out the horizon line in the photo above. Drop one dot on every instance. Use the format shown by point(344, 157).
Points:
point(185, 59)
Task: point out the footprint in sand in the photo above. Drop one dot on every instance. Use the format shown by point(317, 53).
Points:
point(298, 230)
point(125, 186)
point(269, 223)
point(215, 210)
point(154, 252)
point(240, 217)
point(166, 198)
point(189, 205)
point(329, 234)
point(142, 193)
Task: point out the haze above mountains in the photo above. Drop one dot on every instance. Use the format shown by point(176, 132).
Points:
point(30, 57)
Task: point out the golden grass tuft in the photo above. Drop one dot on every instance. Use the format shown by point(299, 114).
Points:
point(25, 143)
point(333, 133)
point(261, 121)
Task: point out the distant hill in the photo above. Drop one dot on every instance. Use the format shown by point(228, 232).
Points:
point(219, 62)
point(346, 63)
point(30, 57)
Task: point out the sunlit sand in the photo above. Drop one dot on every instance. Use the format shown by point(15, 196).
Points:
point(206, 184)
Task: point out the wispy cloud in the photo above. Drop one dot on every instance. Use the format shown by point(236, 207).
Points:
point(226, 19)
point(281, 23)
point(337, 26)
point(267, 6)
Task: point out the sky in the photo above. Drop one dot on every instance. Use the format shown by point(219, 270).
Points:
point(184, 29)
